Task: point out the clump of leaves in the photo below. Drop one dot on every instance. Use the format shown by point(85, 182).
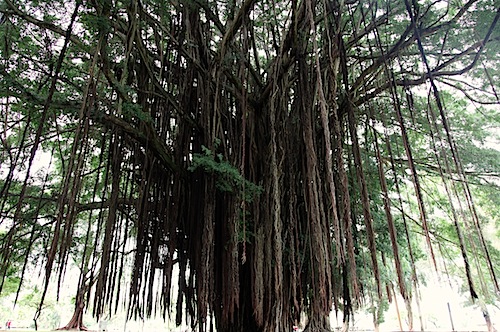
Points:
point(228, 177)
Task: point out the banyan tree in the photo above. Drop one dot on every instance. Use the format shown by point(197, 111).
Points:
point(238, 164)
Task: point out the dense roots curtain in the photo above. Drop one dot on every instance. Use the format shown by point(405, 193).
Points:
point(237, 153)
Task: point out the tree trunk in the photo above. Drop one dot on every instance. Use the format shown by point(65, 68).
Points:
point(76, 321)
point(320, 255)
point(376, 317)
point(486, 315)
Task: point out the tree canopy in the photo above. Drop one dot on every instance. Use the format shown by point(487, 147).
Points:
point(240, 163)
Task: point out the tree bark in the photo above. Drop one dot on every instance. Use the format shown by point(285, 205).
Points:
point(76, 321)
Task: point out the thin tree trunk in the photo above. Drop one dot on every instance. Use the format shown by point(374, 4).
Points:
point(76, 321)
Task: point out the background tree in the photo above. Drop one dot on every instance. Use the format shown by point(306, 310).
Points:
point(275, 153)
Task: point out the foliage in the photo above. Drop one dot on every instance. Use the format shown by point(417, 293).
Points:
point(229, 178)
